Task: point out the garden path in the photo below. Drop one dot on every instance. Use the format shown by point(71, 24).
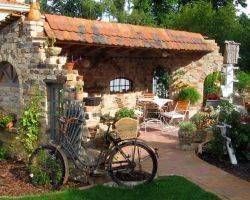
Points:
point(175, 161)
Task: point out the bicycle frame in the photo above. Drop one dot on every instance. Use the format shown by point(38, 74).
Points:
point(83, 164)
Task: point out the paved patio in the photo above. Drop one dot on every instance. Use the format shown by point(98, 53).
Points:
point(175, 161)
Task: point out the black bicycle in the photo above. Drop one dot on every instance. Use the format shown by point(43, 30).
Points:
point(128, 162)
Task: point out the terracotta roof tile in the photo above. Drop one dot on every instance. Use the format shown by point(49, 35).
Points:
point(115, 34)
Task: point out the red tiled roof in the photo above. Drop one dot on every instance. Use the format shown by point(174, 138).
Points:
point(115, 34)
point(13, 2)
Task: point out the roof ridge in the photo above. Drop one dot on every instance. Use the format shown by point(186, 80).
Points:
point(80, 30)
point(126, 24)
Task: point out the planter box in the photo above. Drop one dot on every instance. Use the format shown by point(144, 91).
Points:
point(189, 147)
point(213, 103)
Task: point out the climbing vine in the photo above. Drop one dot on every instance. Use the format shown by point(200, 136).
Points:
point(29, 124)
point(163, 80)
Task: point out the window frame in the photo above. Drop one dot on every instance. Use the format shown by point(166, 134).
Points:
point(117, 83)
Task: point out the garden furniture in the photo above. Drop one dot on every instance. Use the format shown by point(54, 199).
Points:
point(180, 112)
point(151, 110)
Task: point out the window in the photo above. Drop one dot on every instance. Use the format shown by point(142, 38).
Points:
point(120, 85)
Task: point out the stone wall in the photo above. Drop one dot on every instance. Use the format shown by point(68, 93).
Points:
point(22, 45)
point(195, 72)
point(186, 68)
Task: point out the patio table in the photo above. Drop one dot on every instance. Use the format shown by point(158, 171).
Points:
point(159, 102)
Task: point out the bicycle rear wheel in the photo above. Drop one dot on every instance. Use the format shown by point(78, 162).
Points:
point(132, 163)
point(48, 167)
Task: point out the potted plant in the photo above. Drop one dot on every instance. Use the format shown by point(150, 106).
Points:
point(212, 89)
point(6, 121)
point(203, 121)
point(189, 94)
point(186, 134)
point(125, 112)
point(79, 92)
point(52, 50)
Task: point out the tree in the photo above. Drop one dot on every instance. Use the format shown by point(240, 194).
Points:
point(216, 3)
point(201, 17)
point(89, 9)
point(242, 35)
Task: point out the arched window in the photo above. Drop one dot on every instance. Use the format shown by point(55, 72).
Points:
point(8, 75)
point(120, 85)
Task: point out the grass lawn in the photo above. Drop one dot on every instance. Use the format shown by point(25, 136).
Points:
point(167, 188)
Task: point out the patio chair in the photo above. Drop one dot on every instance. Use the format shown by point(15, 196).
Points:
point(151, 116)
point(127, 128)
point(180, 111)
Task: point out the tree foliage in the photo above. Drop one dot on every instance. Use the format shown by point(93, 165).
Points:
point(89, 9)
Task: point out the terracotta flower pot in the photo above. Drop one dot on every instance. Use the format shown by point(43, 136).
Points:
point(213, 96)
point(70, 66)
point(10, 125)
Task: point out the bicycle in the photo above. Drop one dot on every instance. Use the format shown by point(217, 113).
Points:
point(122, 160)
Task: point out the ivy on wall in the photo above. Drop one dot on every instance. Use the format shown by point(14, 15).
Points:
point(29, 123)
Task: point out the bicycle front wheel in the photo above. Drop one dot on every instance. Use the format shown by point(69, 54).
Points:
point(48, 167)
point(132, 163)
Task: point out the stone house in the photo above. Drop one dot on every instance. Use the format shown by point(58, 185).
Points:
point(9, 6)
point(114, 60)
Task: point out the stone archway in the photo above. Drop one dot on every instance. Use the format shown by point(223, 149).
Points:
point(9, 88)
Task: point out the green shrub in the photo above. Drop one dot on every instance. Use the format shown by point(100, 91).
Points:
point(187, 127)
point(189, 94)
point(244, 81)
point(5, 119)
point(125, 112)
point(3, 153)
point(29, 124)
point(42, 176)
point(239, 133)
point(211, 85)
point(204, 120)
point(226, 108)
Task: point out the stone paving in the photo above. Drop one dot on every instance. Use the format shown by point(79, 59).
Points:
point(175, 161)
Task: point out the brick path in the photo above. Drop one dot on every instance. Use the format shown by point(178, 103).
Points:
point(175, 161)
